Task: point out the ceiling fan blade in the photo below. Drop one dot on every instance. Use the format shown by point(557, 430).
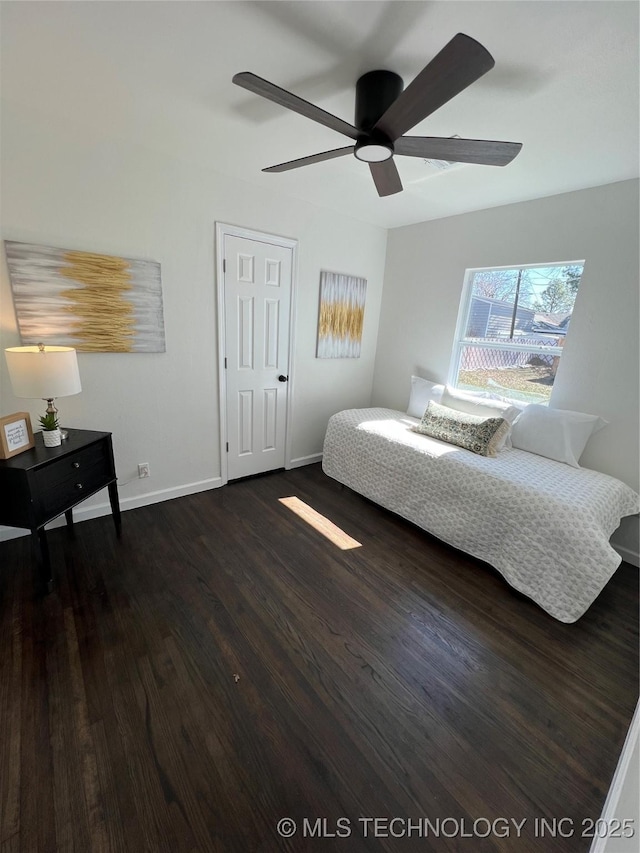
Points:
point(385, 177)
point(482, 151)
point(292, 102)
point(313, 158)
point(459, 64)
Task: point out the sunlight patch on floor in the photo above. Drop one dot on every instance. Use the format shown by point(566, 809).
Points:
point(320, 523)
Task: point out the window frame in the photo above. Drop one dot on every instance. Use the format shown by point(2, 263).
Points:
point(459, 341)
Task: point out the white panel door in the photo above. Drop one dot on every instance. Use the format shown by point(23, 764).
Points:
point(257, 304)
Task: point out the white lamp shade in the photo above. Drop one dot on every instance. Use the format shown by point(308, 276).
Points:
point(52, 372)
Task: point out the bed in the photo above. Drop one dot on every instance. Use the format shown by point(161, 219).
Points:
point(544, 525)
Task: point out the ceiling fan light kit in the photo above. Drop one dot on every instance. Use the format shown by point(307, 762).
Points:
point(385, 111)
point(372, 152)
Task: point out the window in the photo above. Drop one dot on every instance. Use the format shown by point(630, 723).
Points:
point(512, 325)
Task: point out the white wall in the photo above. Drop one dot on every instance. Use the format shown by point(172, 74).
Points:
point(623, 800)
point(66, 185)
point(599, 369)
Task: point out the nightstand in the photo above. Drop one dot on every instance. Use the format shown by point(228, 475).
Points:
point(42, 483)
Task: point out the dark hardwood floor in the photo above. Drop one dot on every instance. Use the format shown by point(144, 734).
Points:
point(224, 666)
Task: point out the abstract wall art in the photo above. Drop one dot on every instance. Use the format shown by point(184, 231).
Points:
point(341, 315)
point(95, 303)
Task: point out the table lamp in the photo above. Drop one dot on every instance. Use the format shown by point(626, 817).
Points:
point(44, 371)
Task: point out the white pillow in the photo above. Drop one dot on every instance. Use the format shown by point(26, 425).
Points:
point(472, 404)
point(555, 433)
point(421, 392)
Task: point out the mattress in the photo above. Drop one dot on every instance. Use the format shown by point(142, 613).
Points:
point(544, 525)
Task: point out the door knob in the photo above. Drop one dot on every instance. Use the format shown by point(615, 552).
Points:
point(283, 378)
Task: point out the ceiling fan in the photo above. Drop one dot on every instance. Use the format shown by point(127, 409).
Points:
point(385, 111)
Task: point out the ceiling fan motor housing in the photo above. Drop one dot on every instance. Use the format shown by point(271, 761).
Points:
point(375, 92)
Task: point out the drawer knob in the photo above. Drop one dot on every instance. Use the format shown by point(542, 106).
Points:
point(79, 486)
point(76, 464)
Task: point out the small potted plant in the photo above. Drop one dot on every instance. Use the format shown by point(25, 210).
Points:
point(50, 430)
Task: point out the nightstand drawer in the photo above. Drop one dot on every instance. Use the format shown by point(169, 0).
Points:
point(63, 483)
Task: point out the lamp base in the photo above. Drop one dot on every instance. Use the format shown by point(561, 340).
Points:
point(51, 409)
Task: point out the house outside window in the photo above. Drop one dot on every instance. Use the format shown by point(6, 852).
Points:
point(512, 326)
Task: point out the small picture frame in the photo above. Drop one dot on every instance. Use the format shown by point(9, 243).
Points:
point(16, 434)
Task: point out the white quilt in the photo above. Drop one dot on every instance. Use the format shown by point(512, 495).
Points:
point(543, 525)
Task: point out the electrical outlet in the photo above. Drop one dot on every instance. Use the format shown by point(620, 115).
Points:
point(144, 470)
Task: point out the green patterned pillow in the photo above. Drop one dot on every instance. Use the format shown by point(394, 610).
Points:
point(473, 432)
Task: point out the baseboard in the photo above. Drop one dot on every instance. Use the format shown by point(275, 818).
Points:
point(305, 460)
point(96, 511)
point(617, 784)
point(627, 554)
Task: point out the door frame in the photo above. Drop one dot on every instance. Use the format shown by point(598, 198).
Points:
point(223, 230)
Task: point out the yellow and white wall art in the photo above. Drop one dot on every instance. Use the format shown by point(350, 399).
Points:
point(95, 303)
point(341, 316)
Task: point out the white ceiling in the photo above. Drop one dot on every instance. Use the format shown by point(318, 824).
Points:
point(565, 84)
